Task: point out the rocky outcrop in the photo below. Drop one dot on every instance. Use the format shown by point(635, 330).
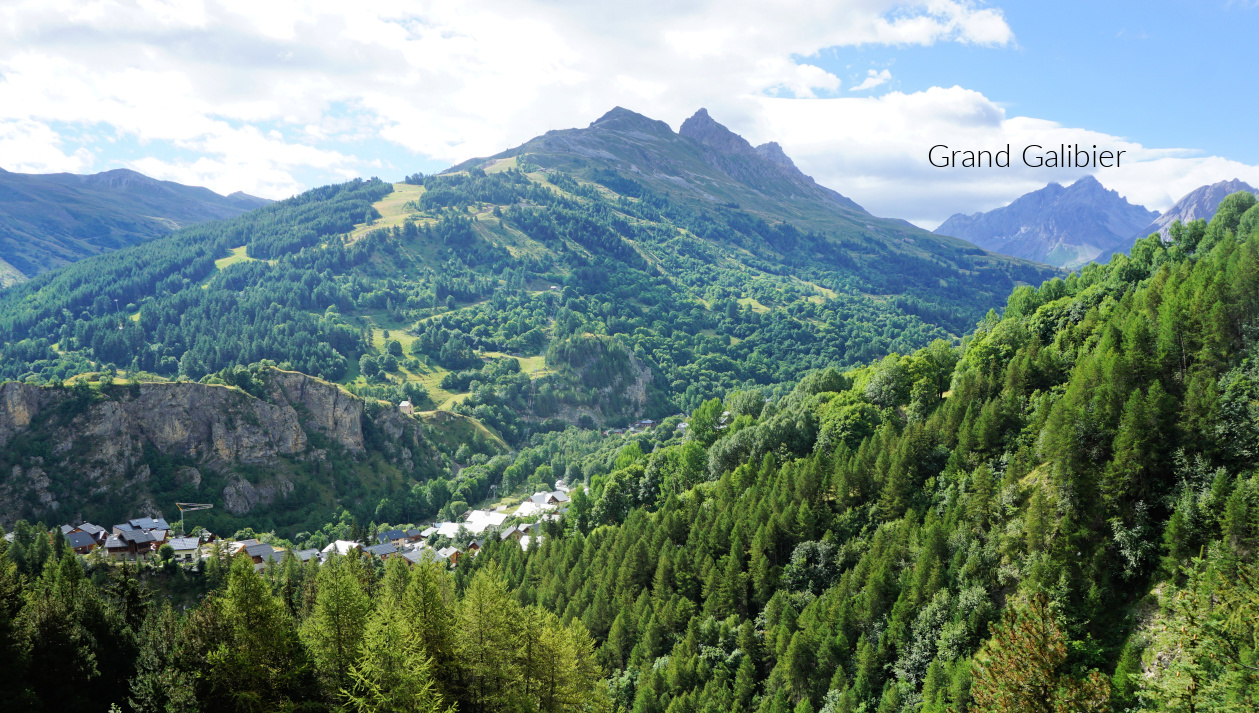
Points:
point(63, 444)
point(240, 496)
point(203, 422)
point(323, 407)
point(765, 168)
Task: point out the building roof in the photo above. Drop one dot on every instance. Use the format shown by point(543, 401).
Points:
point(447, 552)
point(148, 523)
point(67, 529)
point(479, 521)
point(183, 544)
point(448, 529)
point(125, 527)
point(305, 555)
point(528, 508)
point(382, 549)
point(137, 537)
point(508, 532)
point(422, 554)
point(264, 551)
point(94, 530)
point(389, 535)
point(80, 539)
point(342, 547)
point(114, 542)
point(428, 531)
point(413, 532)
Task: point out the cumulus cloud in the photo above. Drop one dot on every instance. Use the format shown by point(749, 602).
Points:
point(33, 147)
point(272, 97)
point(874, 149)
point(872, 80)
point(260, 92)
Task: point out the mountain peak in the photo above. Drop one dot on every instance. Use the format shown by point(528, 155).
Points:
point(1060, 226)
point(622, 119)
point(704, 129)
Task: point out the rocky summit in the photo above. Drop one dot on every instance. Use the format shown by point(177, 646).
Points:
point(1063, 226)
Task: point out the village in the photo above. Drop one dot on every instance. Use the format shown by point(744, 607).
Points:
point(154, 538)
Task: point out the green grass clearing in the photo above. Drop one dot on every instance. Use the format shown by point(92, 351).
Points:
point(391, 209)
point(238, 255)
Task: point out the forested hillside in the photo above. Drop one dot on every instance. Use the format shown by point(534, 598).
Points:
point(1061, 515)
point(616, 297)
point(1081, 481)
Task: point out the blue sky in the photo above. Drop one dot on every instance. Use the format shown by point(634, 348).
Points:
point(1170, 73)
point(273, 98)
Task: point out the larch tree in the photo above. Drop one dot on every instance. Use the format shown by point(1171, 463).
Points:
point(1021, 670)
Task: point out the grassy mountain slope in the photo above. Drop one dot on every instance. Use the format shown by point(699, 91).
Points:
point(48, 220)
point(664, 295)
point(708, 168)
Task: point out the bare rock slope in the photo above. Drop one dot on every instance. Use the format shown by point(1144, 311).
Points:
point(65, 452)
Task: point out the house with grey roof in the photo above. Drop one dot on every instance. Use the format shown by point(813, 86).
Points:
point(187, 549)
point(383, 550)
point(81, 542)
point(420, 555)
point(96, 531)
point(395, 536)
point(116, 547)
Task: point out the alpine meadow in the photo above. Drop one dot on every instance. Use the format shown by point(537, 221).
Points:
point(622, 419)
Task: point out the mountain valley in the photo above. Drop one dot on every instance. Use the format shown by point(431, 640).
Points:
point(772, 453)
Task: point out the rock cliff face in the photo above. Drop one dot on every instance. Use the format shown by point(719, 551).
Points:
point(62, 447)
point(765, 168)
point(1060, 226)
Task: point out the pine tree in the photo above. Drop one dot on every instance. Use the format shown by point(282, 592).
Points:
point(264, 663)
point(1021, 670)
point(430, 614)
point(488, 635)
point(334, 630)
point(392, 674)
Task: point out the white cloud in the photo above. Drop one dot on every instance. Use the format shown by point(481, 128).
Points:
point(874, 150)
point(872, 80)
point(33, 147)
point(442, 79)
point(242, 95)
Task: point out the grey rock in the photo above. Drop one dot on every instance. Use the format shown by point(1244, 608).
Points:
point(1063, 226)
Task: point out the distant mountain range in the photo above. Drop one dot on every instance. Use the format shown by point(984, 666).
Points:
point(1084, 222)
point(1063, 226)
point(49, 220)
